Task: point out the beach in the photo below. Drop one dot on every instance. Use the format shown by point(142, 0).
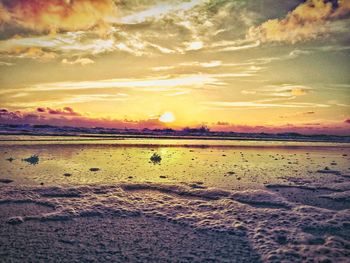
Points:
point(175, 131)
point(217, 202)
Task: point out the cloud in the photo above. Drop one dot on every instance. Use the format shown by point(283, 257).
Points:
point(4, 63)
point(195, 45)
point(307, 21)
point(163, 68)
point(262, 104)
point(68, 117)
point(287, 91)
point(299, 115)
point(14, 117)
point(283, 91)
point(243, 66)
point(347, 121)
point(298, 91)
point(179, 93)
point(146, 84)
point(236, 47)
point(68, 99)
point(40, 109)
point(222, 123)
point(55, 15)
point(70, 44)
point(211, 64)
point(79, 61)
point(130, 26)
point(248, 92)
point(158, 10)
point(29, 52)
point(66, 111)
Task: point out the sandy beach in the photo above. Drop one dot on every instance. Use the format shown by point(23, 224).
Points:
point(98, 203)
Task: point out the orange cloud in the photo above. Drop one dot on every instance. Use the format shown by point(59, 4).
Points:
point(56, 15)
point(305, 22)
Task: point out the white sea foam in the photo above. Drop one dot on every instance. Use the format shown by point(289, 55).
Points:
point(278, 229)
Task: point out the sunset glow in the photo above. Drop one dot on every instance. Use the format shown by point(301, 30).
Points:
point(229, 65)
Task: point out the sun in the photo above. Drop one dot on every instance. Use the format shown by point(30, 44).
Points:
point(167, 117)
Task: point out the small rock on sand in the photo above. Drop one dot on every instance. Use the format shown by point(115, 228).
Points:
point(329, 171)
point(94, 169)
point(196, 186)
point(15, 220)
point(6, 181)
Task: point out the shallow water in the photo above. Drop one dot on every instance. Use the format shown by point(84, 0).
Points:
point(221, 164)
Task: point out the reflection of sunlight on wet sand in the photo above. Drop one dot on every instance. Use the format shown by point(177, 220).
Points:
point(237, 167)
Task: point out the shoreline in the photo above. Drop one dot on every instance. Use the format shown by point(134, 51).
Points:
point(283, 137)
point(195, 142)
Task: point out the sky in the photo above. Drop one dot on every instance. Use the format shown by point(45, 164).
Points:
point(232, 65)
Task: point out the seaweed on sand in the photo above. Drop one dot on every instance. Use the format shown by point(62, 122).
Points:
point(6, 181)
point(33, 160)
point(156, 158)
point(10, 159)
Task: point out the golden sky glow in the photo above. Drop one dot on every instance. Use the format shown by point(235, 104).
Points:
point(240, 65)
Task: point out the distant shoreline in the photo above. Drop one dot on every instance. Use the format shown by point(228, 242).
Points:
point(124, 140)
point(203, 133)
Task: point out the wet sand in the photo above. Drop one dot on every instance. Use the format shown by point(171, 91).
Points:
point(100, 203)
point(227, 165)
